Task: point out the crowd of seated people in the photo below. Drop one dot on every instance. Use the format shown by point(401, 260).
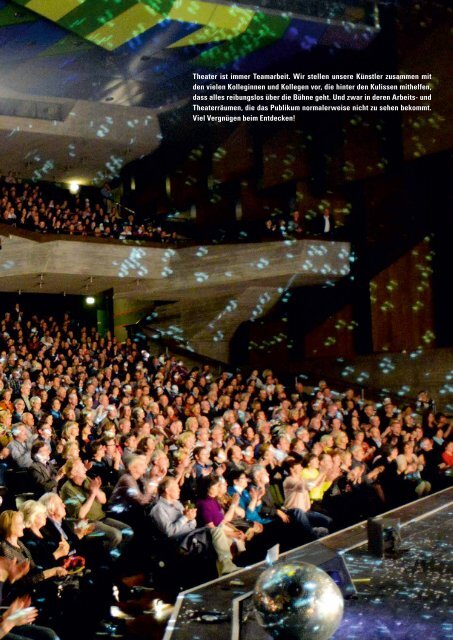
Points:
point(26, 205)
point(295, 227)
point(36, 208)
point(101, 444)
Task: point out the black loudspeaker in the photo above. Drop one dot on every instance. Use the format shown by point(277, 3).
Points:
point(336, 568)
point(384, 536)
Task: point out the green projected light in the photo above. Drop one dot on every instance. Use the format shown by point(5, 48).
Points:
point(251, 24)
point(112, 24)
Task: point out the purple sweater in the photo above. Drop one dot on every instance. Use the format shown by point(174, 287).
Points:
point(209, 510)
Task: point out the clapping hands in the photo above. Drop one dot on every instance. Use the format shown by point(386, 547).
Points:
point(19, 613)
point(95, 485)
point(12, 570)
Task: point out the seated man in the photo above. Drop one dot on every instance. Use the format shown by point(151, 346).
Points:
point(70, 541)
point(20, 447)
point(58, 529)
point(178, 524)
point(203, 465)
point(84, 500)
point(42, 473)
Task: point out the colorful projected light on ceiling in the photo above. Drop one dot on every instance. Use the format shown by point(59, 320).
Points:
point(112, 24)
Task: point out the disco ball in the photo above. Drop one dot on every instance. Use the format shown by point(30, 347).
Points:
point(298, 602)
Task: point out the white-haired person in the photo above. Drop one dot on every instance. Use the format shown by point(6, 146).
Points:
point(84, 550)
point(69, 600)
point(133, 493)
point(35, 518)
point(56, 528)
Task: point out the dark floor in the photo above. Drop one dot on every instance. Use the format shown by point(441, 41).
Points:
point(406, 597)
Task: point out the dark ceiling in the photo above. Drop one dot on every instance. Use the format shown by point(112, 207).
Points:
point(142, 52)
point(87, 86)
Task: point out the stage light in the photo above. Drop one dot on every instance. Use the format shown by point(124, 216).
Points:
point(90, 300)
point(74, 187)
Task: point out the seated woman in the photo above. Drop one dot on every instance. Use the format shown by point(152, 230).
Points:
point(314, 477)
point(96, 465)
point(86, 437)
point(66, 451)
point(226, 501)
point(298, 505)
point(250, 502)
point(133, 493)
point(146, 447)
point(215, 507)
point(235, 462)
point(49, 548)
point(410, 467)
point(11, 530)
point(35, 517)
point(210, 513)
point(70, 431)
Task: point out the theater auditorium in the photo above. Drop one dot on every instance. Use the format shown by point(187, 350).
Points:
point(225, 345)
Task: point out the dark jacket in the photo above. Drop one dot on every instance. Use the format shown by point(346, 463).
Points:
point(53, 536)
point(42, 478)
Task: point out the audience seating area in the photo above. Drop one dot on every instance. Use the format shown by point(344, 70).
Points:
point(121, 468)
point(45, 209)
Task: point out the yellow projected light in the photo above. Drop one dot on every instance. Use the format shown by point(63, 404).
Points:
point(127, 25)
point(53, 9)
point(112, 26)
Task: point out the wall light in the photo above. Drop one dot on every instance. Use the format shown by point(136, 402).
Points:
point(90, 300)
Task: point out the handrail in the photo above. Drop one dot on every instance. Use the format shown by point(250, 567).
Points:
point(7, 230)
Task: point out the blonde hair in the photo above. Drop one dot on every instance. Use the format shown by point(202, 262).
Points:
point(341, 435)
point(67, 427)
point(30, 509)
point(184, 437)
point(67, 448)
point(179, 455)
point(190, 420)
point(6, 521)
